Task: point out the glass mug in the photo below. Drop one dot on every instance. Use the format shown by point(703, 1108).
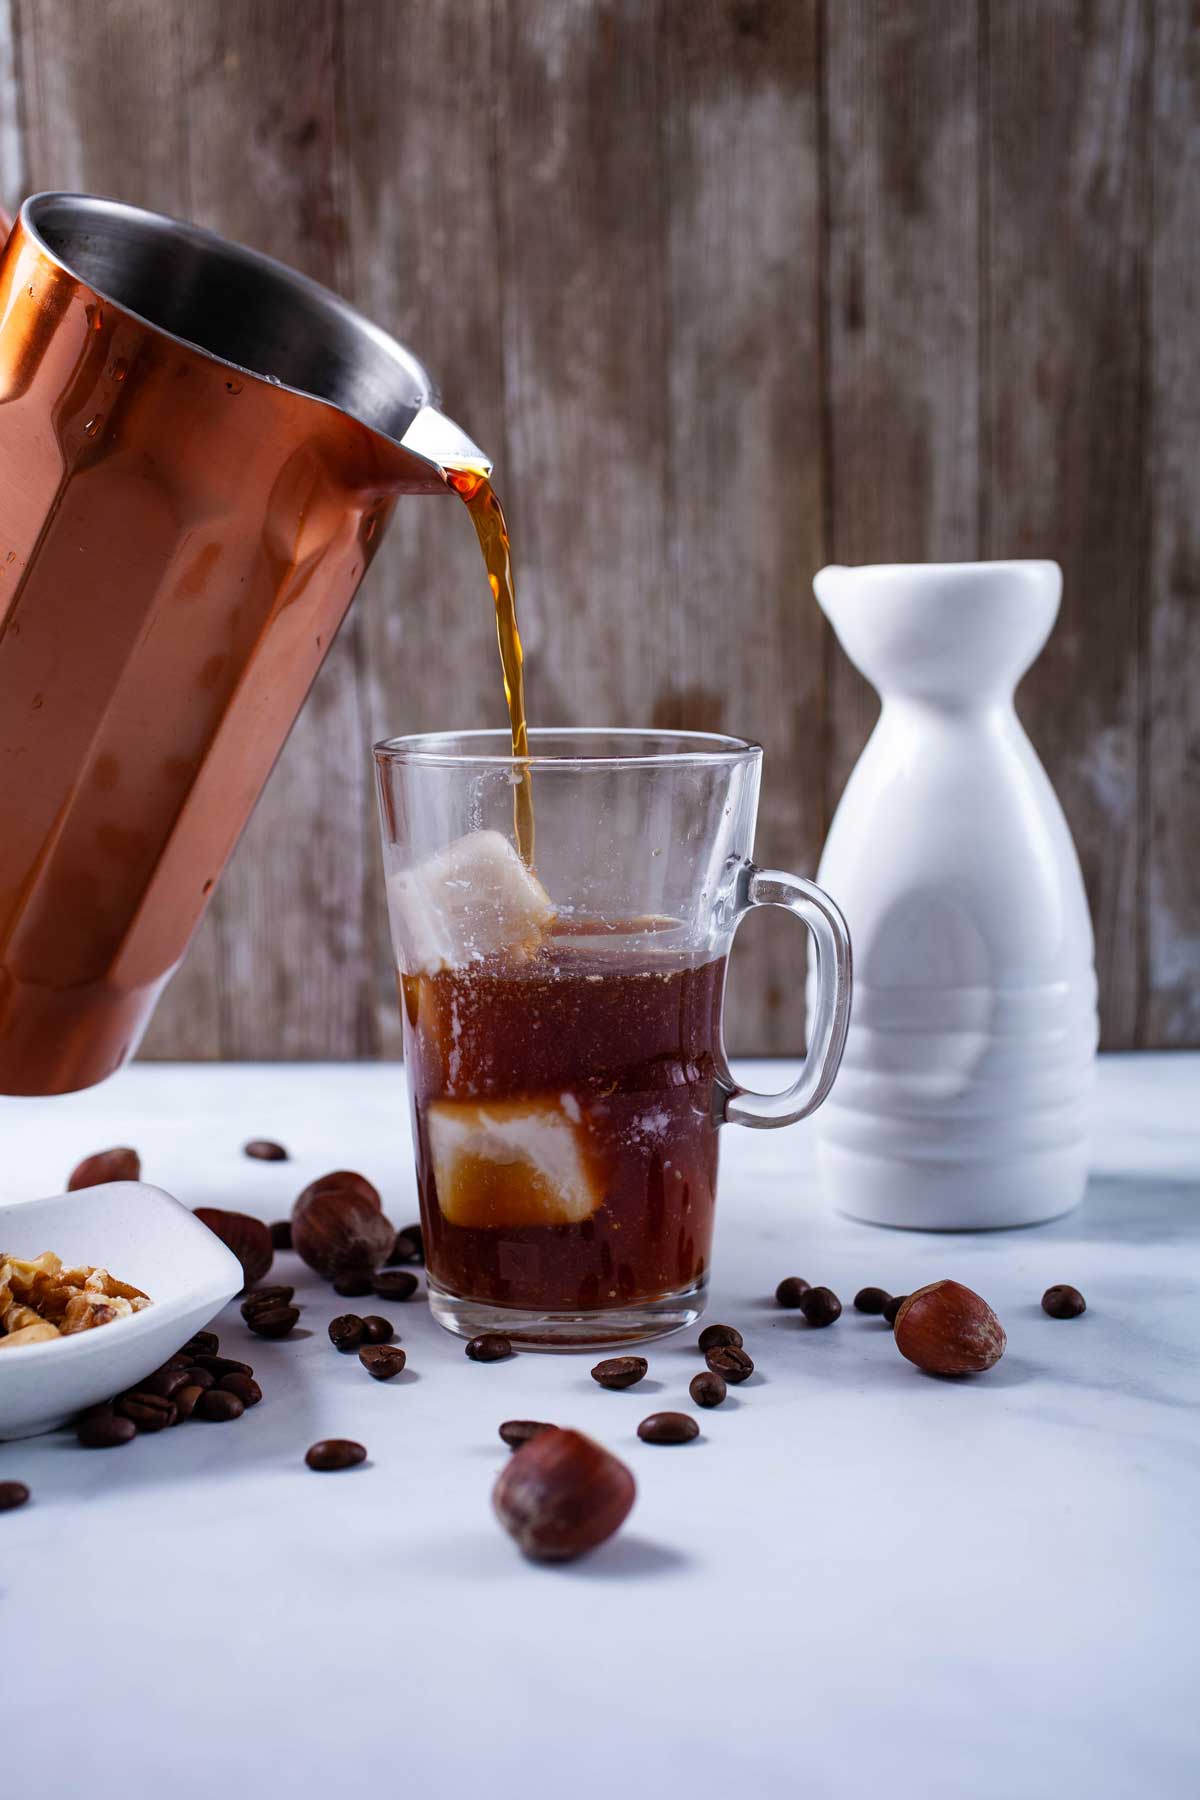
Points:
point(562, 1020)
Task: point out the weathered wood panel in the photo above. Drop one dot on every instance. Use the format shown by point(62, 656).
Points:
point(902, 175)
point(1170, 897)
point(1068, 371)
point(736, 638)
point(728, 289)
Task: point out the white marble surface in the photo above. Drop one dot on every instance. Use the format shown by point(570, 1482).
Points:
point(858, 1581)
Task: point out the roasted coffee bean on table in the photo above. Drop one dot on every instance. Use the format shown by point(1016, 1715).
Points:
point(335, 1453)
point(101, 1428)
point(186, 1398)
point(354, 1284)
point(1063, 1301)
point(820, 1306)
point(244, 1387)
point(871, 1300)
point(394, 1284)
point(670, 1427)
point(12, 1495)
point(730, 1363)
point(515, 1432)
point(893, 1307)
point(166, 1382)
point(620, 1371)
point(346, 1332)
point(382, 1360)
point(281, 1234)
point(708, 1388)
point(489, 1347)
point(264, 1150)
point(149, 1412)
point(219, 1405)
point(714, 1335)
point(377, 1330)
point(279, 1295)
point(201, 1343)
point(273, 1321)
point(791, 1290)
point(223, 1365)
point(201, 1378)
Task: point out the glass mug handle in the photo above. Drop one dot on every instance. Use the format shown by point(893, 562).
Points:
point(831, 1014)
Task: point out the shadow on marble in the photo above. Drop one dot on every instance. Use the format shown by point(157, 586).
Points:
point(1132, 1209)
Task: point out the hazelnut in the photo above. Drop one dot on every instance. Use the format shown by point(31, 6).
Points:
point(249, 1239)
point(946, 1329)
point(341, 1181)
point(121, 1164)
point(562, 1494)
point(338, 1232)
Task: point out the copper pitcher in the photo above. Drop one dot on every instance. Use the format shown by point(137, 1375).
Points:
point(199, 452)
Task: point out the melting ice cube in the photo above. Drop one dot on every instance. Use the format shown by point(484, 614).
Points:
point(510, 1162)
point(470, 900)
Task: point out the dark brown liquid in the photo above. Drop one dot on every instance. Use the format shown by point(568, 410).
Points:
point(491, 528)
point(563, 1118)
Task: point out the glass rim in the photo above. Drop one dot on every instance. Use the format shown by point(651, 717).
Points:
point(456, 749)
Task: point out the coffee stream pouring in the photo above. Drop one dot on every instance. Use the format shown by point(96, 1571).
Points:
point(199, 452)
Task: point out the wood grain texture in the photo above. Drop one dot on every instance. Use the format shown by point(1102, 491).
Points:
point(1170, 898)
point(743, 645)
point(727, 289)
point(1068, 371)
point(902, 176)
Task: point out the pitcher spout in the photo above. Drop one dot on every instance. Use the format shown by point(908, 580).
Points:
point(436, 446)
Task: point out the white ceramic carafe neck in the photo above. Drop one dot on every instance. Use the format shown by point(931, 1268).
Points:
point(952, 637)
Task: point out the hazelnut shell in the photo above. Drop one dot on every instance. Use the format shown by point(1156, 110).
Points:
point(249, 1239)
point(947, 1329)
point(339, 1181)
point(339, 1231)
point(562, 1494)
point(120, 1164)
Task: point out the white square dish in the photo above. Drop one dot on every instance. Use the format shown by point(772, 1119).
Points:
point(142, 1236)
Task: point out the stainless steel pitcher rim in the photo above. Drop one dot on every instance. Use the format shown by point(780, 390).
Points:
point(196, 273)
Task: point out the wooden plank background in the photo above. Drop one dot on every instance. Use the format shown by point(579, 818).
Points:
point(729, 289)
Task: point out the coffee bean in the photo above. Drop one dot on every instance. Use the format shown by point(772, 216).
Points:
point(516, 1432)
point(149, 1412)
point(179, 1361)
point(273, 1321)
point(201, 1343)
point(377, 1330)
point(264, 1150)
point(715, 1335)
point(893, 1307)
point(490, 1347)
point(346, 1332)
point(223, 1365)
point(395, 1284)
point(729, 1362)
point(166, 1382)
point(244, 1387)
point(200, 1378)
point(219, 1405)
point(280, 1295)
point(354, 1284)
point(186, 1398)
point(12, 1495)
point(1063, 1302)
point(620, 1371)
point(669, 1427)
point(281, 1234)
point(335, 1453)
point(101, 1428)
point(791, 1290)
point(382, 1360)
point(871, 1300)
point(708, 1388)
point(820, 1307)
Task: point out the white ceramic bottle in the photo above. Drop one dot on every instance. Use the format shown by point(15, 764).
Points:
point(964, 1094)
